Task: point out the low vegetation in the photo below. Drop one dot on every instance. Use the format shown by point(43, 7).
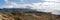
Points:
point(27, 16)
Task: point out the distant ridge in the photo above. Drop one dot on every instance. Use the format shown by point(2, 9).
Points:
point(18, 9)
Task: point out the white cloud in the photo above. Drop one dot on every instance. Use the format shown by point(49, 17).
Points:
point(7, 1)
point(45, 6)
point(50, 0)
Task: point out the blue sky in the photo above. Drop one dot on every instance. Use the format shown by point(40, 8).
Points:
point(10, 3)
point(2, 2)
point(39, 5)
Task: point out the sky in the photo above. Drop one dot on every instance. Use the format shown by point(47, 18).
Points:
point(39, 5)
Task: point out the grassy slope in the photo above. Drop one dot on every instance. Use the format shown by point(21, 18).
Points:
point(29, 15)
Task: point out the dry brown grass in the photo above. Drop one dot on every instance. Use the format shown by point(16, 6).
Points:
point(22, 16)
point(6, 17)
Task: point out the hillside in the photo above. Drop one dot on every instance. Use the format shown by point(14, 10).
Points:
point(23, 14)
